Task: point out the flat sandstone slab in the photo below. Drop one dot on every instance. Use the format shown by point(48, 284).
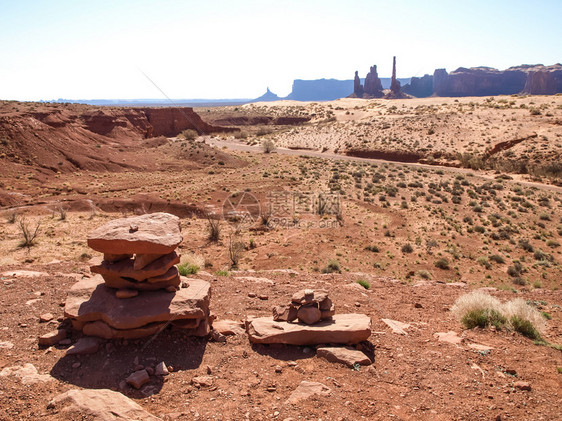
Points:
point(154, 233)
point(342, 329)
point(90, 300)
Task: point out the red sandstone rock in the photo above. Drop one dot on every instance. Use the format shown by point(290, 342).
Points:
point(306, 390)
point(90, 300)
point(101, 329)
point(156, 233)
point(347, 356)
point(309, 314)
point(98, 404)
point(138, 378)
point(122, 283)
point(52, 338)
point(344, 328)
point(142, 260)
point(125, 268)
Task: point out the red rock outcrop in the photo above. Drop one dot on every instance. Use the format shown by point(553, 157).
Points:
point(66, 137)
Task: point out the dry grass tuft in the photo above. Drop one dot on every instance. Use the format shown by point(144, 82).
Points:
point(474, 301)
point(480, 309)
point(520, 309)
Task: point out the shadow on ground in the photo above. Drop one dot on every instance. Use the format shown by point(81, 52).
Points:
point(116, 359)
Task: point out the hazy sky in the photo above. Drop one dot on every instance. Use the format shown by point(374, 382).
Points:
point(235, 49)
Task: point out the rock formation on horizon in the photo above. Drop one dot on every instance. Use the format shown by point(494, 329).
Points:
point(373, 85)
point(395, 88)
point(267, 97)
point(483, 81)
point(357, 87)
point(395, 84)
point(372, 88)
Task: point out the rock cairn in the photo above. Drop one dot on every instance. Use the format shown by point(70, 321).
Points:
point(138, 290)
point(308, 306)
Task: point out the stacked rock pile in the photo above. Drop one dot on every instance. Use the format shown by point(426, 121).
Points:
point(138, 290)
point(308, 306)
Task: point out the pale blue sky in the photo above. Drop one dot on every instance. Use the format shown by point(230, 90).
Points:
point(235, 49)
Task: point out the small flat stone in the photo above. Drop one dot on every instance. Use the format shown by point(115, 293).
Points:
point(229, 327)
point(27, 373)
point(23, 274)
point(99, 404)
point(85, 345)
point(397, 327)
point(347, 356)
point(480, 347)
point(126, 293)
point(52, 338)
point(138, 378)
point(306, 390)
point(202, 381)
point(47, 317)
point(521, 385)
point(450, 337)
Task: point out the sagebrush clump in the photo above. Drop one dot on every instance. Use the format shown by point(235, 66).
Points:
point(479, 309)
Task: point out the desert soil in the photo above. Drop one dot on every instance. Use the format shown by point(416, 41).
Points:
point(495, 229)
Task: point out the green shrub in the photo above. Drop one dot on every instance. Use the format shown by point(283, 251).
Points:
point(497, 258)
point(332, 267)
point(442, 264)
point(189, 134)
point(187, 269)
point(524, 327)
point(424, 274)
point(482, 318)
point(365, 284)
point(372, 248)
point(407, 248)
point(222, 273)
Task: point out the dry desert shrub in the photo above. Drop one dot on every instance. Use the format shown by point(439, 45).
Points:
point(478, 309)
point(519, 309)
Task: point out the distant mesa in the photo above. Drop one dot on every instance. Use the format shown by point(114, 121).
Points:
point(483, 81)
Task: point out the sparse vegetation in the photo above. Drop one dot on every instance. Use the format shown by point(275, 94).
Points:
point(268, 146)
point(186, 269)
point(365, 284)
point(28, 232)
point(479, 309)
point(213, 229)
point(333, 266)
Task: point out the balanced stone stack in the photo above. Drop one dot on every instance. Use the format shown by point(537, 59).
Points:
point(138, 290)
point(308, 306)
point(309, 319)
